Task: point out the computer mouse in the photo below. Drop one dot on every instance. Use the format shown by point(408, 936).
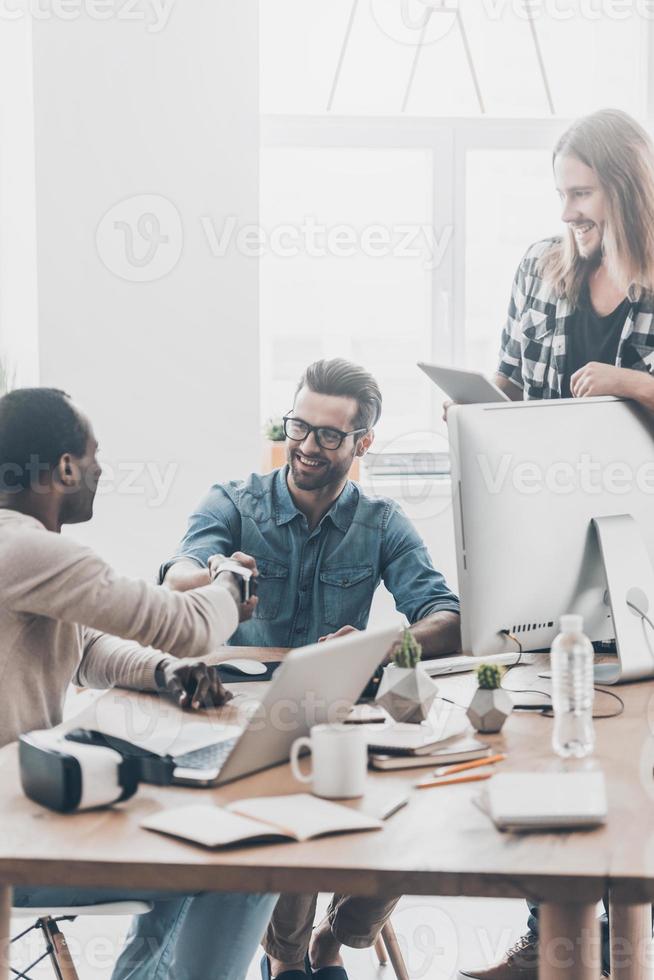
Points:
point(248, 667)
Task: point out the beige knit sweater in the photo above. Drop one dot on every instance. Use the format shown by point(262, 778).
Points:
point(58, 602)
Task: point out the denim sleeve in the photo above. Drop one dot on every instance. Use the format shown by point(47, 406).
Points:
point(408, 572)
point(213, 529)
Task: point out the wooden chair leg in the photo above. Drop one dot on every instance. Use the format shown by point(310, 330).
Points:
point(380, 950)
point(62, 961)
point(394, 952)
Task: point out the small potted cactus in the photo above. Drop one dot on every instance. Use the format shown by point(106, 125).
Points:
point(275, 445)
point(491, 704)
point(405, 690)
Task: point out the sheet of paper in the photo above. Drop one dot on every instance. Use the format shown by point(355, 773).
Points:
point(156, 725)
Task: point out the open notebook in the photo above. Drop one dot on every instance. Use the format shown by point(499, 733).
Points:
point(298, 817)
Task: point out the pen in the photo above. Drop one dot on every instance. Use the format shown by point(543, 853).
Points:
point(474, 778)
point(463, 766)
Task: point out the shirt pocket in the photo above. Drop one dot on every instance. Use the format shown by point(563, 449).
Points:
point(346, 594)
point(537, 331)
point(271, 585)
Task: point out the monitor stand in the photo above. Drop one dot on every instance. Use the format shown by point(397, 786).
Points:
point(630, 582)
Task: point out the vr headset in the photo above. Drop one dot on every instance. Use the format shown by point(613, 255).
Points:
point(83, 770)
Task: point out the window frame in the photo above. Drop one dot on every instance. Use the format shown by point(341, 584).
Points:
point(448, 140)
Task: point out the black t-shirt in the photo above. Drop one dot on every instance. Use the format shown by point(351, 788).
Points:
point(590, 337)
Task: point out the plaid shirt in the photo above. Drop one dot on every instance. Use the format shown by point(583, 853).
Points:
point(533, 354)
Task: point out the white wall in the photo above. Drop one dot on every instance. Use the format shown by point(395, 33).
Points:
point(163, 117)
point(18, 306)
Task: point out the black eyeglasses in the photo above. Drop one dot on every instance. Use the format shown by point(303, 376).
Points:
point(327, 438)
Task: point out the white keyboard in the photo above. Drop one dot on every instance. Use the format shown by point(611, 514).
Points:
point(460, 664)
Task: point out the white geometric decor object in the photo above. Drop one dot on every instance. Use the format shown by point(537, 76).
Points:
point(489, 709)
point(407, 693)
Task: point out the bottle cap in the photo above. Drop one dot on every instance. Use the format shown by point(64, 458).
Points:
point(572, 624)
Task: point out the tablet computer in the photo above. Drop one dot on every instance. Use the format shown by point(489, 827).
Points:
point(463, 387)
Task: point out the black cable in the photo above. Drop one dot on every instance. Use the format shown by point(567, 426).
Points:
point(547, 711)
point(611, 694)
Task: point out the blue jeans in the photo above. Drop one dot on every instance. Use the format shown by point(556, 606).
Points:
point(208, 936)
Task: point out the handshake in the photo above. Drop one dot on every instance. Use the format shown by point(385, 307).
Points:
point(237, 574)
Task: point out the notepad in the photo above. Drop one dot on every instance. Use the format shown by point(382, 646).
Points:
point(546, 800)
point(263, 819)
point(405, 739)
point(457, 749)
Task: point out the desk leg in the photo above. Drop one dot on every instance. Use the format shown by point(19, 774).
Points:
point(631, 935)
point(569, 942)
point(5, 930)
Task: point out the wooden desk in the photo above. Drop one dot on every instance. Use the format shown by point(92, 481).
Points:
point(441, 844)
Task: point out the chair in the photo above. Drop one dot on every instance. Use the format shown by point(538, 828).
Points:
point(388, 948)
point(56, 947)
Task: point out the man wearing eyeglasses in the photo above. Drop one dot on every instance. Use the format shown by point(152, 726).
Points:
point(321, 547)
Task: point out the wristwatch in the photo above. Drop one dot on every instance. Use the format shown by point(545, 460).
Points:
point(244, 575)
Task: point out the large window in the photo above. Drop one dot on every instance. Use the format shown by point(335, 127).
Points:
point(415, 136)
point(355, 278)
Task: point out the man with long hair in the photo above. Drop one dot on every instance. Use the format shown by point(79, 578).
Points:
point(581, 319)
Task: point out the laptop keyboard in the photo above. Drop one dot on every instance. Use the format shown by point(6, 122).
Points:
point(210, 757)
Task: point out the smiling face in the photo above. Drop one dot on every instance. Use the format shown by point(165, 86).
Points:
point(314, 468)
point(584, 204)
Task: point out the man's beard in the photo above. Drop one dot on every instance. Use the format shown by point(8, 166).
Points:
point(592, 257)
point(326, 475)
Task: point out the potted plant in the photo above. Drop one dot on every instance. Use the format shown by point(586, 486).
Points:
point(275, 446)
point(491, 704)
point(405, 690)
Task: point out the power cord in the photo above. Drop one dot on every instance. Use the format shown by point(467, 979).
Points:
point(547, 711)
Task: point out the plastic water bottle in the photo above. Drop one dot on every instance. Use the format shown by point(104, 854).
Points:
point(571, 660)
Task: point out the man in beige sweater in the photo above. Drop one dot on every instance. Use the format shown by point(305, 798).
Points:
point(65, 615)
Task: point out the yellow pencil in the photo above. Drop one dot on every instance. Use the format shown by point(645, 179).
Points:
point(463, 766)
point(476, 777)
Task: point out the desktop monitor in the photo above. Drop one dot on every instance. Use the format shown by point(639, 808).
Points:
point(554, 513)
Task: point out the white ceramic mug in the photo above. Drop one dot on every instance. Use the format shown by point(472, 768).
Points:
point(339, 761)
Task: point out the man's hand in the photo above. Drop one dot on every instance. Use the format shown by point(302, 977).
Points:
point(595, 379)
point(233, 584)
point(344, 630)
point(192, 683)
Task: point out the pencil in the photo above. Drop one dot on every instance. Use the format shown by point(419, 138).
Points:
point(463, 766)
point(474, 778)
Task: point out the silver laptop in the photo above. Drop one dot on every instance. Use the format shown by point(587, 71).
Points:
point(314, 685)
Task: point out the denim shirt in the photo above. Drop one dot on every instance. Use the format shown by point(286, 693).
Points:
point(313, 582)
